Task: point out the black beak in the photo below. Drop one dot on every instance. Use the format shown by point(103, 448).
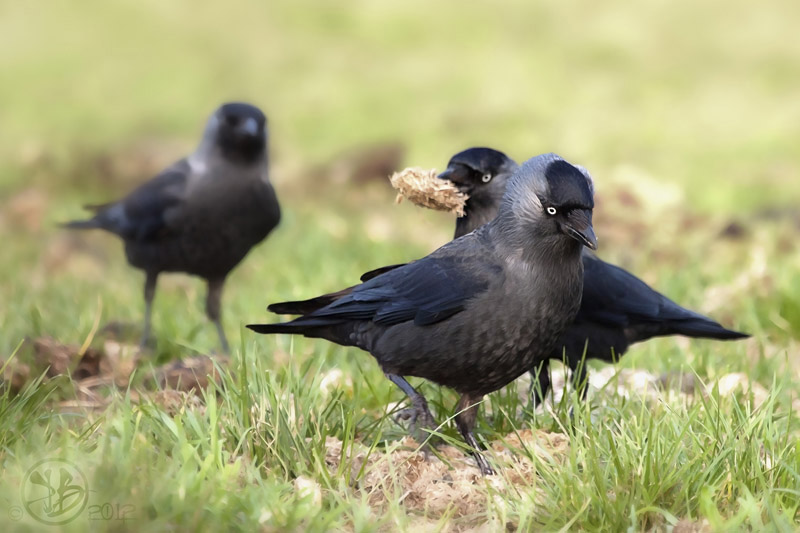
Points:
point(248, 127)
point(458, 177)
point(579, 227)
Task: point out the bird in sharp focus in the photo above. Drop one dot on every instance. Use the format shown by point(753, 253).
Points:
point(203, 214)
point(617, 308)
point(481, 310)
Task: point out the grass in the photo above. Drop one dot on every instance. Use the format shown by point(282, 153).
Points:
point(691, 107)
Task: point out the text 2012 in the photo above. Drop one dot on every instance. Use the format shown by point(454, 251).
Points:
point(111, 511)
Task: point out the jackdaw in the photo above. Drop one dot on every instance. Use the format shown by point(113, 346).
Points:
point(617, 309)
point(481, 310)
point(203, 214)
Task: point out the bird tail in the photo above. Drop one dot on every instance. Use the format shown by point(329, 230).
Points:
point(706, 329)
point(378, 271)
point(92, 223)
point(314, 327)
point(304, 307)
point(100, 220)
point(272, 329)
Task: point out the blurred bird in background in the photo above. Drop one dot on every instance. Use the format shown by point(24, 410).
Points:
point(203, 214)
point(481, 310)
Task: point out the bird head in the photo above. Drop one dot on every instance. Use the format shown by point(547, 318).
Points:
point(240, 131)
point(553, 199)
point(480, 172)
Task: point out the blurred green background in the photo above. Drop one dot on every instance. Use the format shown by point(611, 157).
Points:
point(690, 107)
point(703, 94)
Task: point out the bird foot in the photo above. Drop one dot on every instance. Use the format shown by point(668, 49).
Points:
point(483, 464)
point(406, 415)
point(147, 346)
point(420, 423)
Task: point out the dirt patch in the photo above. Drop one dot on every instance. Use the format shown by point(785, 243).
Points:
point(15, 375)
point(447, 480)
point(174, 402)
point(190, 373)
point(96, 371)
point(360, 164)
point(691, 526)
point(25, 210)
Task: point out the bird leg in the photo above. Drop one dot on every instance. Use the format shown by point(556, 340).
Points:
point(149, 294)
point(540, 384)
point(214, 310)
point(419, 415)
point(465, 417)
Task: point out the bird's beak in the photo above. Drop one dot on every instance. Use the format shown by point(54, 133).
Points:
point(250, 127)
point(579, 227)
point(457, 177)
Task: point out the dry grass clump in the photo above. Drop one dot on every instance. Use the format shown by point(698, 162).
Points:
point(448, 481)
point(423, 188)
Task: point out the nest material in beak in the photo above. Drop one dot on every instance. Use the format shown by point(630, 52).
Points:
point(423, 188)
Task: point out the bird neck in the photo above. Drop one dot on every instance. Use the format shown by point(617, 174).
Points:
point(210, 149)
point(519, 240)
point(479, 209)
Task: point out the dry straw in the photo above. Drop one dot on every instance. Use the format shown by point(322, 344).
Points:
point(423, 188)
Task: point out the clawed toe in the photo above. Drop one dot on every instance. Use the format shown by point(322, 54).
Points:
point(420, 423)
point(408, 414)
point(486, 470)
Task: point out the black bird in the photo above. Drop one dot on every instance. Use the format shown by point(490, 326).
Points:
point(203, 214)
point(481, 173)
point(617, 309)
point(481, 310)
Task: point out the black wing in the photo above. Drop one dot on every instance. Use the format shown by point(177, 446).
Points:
point(366, 276)
point(614, 297)
point(141, 215)
point(425, 292)
point(304, 307)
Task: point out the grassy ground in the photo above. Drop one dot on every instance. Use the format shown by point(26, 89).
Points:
point(688, 118)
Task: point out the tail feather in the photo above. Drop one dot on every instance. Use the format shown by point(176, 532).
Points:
point(378, 271)
point(81, 224)
point(308, 327)
point(95, 222)
point(269, 329)
point(304, 307)
point(314, 328)
point(301, 307)
point(706, 329)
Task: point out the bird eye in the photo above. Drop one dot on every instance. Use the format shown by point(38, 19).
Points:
point(551, 210)
point(486, 178)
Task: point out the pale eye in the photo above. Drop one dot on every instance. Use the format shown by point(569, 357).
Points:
point(551, 210)
point(486, 178)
